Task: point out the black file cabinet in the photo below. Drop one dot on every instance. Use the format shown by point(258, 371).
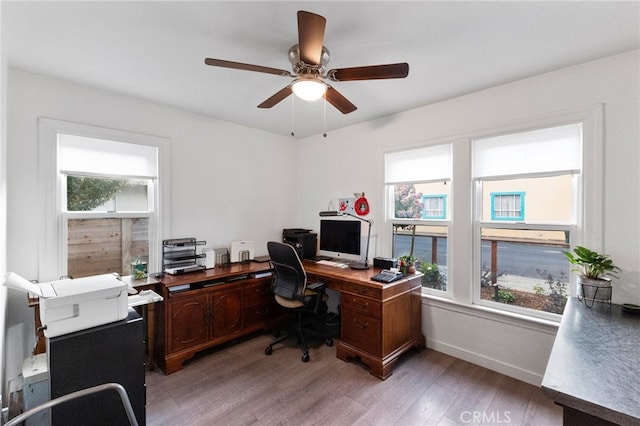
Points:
point(110, 353)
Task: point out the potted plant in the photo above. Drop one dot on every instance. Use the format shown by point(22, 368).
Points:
point(595, 271)
point(407, 264)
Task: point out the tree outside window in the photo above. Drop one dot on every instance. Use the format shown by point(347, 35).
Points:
point(86, 194)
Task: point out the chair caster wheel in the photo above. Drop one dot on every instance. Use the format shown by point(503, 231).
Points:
point(268, 350)
point(305, 358)
point(329, 342)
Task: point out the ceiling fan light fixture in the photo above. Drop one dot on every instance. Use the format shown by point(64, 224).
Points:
point(309, 58)
point(309, 89)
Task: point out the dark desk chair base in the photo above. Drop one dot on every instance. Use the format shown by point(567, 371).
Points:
point(300, 332)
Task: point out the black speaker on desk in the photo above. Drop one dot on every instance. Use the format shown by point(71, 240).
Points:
point(110, 353)
point(385, 262)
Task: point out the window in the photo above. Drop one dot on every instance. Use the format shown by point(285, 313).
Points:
point(521, 264)
point(107, 199)
point(435, 206)
point(418, 183)
point(107, 224)
point(102, 196)
point(507, 206)
point(106, 194)
point(514, 196)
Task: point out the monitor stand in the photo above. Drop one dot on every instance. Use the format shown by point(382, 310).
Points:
point(359, 266)
point(316, 258)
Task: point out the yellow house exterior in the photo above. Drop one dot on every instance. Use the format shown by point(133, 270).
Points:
point(545, 200)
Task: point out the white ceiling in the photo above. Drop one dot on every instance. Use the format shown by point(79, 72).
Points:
point(155, 50)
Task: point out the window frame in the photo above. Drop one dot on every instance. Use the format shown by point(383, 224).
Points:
point(421, 222)
point(514, 224)
point(67, 215)
point(389, 207)
point(511, 224)
point(52, 247)
point(442, 197)
point(507, 218)
point(463, 262)
point(572, 227)
point(150, 185)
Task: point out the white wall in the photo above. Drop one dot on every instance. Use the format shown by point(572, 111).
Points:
point(350, 160)
point(228, 182)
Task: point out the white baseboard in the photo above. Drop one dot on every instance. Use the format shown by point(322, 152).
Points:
point(513, 371)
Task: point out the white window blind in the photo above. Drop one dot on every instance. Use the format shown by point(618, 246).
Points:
point(555, 149)
point(99, 157)
point(418, 165)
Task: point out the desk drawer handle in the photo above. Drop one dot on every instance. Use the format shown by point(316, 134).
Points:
point(365, 325)
point(360, 305)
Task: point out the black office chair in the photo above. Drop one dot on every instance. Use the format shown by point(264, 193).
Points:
point(292, 291)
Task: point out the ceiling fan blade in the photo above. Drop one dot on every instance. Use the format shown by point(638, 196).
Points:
point(336, 99)
point(247, 67)
point(372, 72)
point(277, 97)
point(310, 36)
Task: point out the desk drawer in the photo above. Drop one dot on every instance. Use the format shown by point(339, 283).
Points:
point(362, 290)
point(255, 314)
point(361, 305)
point(258, 292)
point(362, 332)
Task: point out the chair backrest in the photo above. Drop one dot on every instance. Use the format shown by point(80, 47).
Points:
point(290, 279)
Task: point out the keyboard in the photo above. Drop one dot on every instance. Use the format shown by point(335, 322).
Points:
point(332, 263)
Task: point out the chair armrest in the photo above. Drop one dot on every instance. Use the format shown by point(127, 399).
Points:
point(319, 295)
point(318, 286)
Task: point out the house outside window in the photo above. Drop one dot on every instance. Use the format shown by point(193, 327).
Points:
point(507, 206)
point(435, 206)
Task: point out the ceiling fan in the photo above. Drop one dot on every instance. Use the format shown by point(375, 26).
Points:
point(308, 59)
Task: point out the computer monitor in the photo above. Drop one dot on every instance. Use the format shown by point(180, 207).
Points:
point(340, 239)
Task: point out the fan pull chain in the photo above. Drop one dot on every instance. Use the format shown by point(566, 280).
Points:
point(293, 114)
point(324, 117)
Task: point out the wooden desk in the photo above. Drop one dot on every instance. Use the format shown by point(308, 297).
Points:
point(379, 322)
point(207, 308)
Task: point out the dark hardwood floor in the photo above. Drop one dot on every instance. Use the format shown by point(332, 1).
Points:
point(239, 385)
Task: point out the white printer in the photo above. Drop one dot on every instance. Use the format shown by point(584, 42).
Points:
point(77, 304)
